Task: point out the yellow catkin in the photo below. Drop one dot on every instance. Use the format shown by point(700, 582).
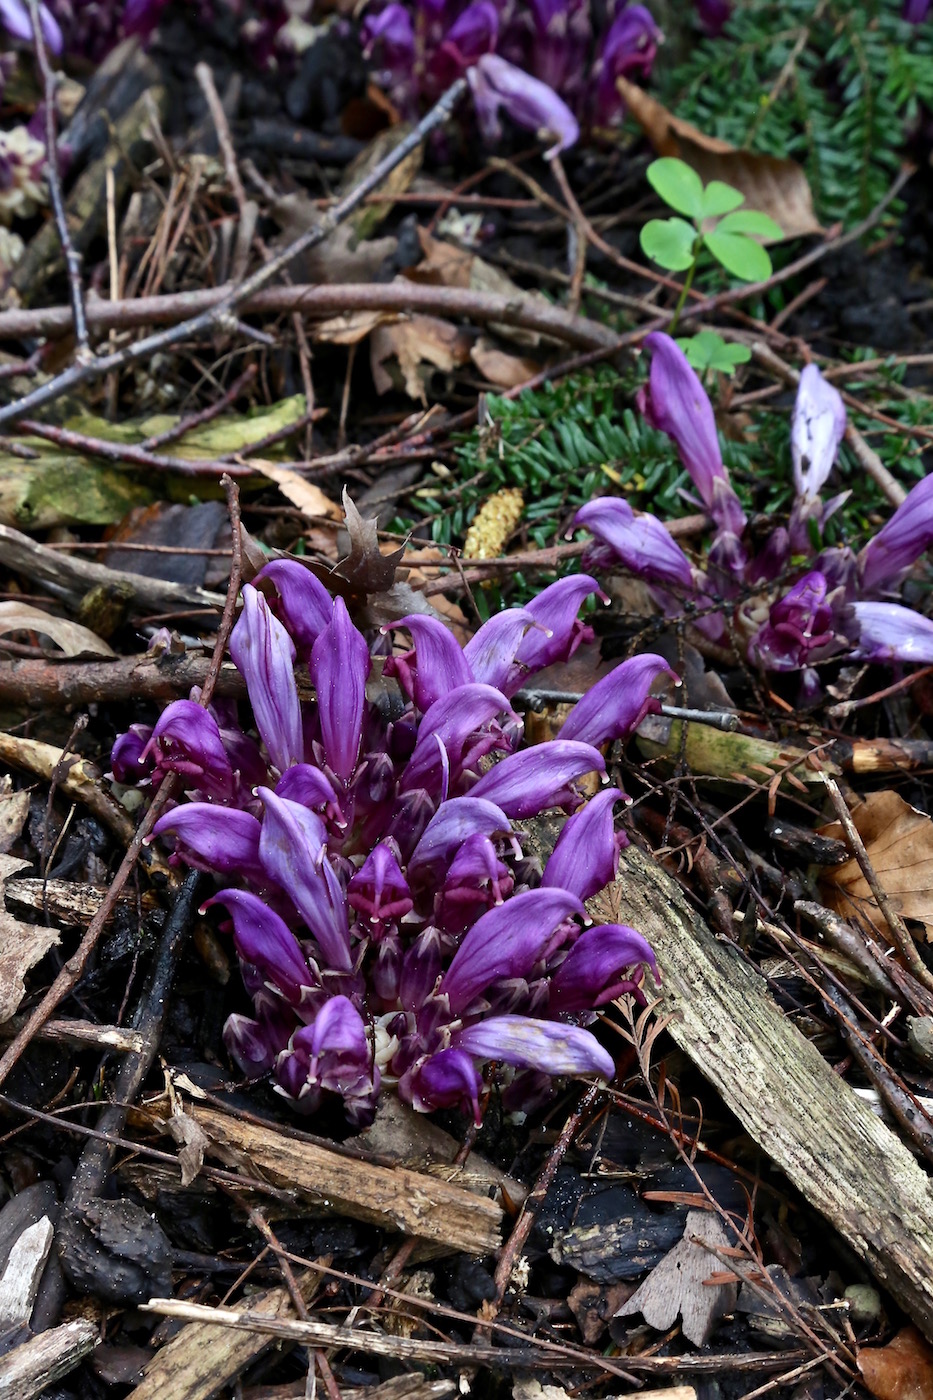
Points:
point(493, 524)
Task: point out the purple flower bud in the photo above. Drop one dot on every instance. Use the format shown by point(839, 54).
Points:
point(802, 627)
point(264, 940)
point(475, 880)
point(443, 1080)
point(126, 757)
point(451, 826)
point(586, 855)
point(615, 706)
point(300, 602)
point(264, 655)
point(640, 543)
point(292, 848)
point(605, 962)
point(907, 535)
point(392, 30)
point(339, 668)
point(915, 11)
point(890, 632)
point(713, 15)
point(505, 943)
point(817, 429)
point(473, 33)
point(628, 46)
point(186, 740)
point(332, 1055)
point(454, 734)
point(545, 1045)
point(530, 103)
point(675, 401)
point(421, 967)
point(254, 1045)
point(490, 652)
point(211, 837)
point(379, 891)
point(434, 667)
point(528, 782)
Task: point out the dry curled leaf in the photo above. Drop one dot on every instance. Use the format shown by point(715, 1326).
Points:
point(902, 1370)
point(21, 945)
point(680, 1284)
point(309, 499)
point(69, 637)
point(415, 342)
point(774, 185)
point(899, 843)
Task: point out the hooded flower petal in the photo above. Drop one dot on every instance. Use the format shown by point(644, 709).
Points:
point(302, 602)
point(816, 431)
point(308, 785)
point(615, 706)
point(264, 655)
point(15, 18)
point(605, 962)
point(450, 1077)
point(629, 46)
point(907, 535)
point(804, 626)
point(379, 890)
point(559, 631)
point(293, 853)
point(530, 103)
point(453, 824)
point(126, 757)
point(447, 729)
point(528, 782)
point(435, 666)
point(490, 652)
point(332, 1055)
point(549, 1046)
point(889, 632)
point(675, 401)
point(211, 837)
point(339, 669)
point(505, 943)
point(186, 740)
point(266, 941)
point(639, 542)
point(586, 855)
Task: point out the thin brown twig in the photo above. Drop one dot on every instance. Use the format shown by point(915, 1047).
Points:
point(204, 415)
point(125, 452)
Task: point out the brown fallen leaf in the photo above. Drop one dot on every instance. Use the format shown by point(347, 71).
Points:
point(902, 1370)
point(445, 265)
point(414, 342)
point(774, 185)
point(899, 842)
point(679, 1284)
point(69, 637)
point(21, 945)
point(350, 327)
point(501, 369)
point(304, 494)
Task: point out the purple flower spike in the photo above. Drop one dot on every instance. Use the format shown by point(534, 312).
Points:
point(301, 601)
point(530, 103)
point(434, 667)
point(186, 740)
point(339, 668)
point(817, 428)
point(211, 837)
point(491, 651)
point(605, 962)
point(675, 401)
point(544, 1045)
point(450, 1077)
point(907, 535)
point(639, 542)
point(615, 706)
point(889, 632)
point(629, 46)
point(379, 891)
point(559, 631)
point(293, 853)
point(264, 654)
point(505, 942)
point(586, 855)
point(528, 782)
point(266, 941)
point(450, 733)
point(332, 1055)
point(15, 18)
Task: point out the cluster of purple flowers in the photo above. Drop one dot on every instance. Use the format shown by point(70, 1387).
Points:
point(794, 603)
point(390, 929)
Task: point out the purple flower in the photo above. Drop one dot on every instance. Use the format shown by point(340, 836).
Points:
point(586, 855)
point(293, 851)
point(332, 1055)
point(915, 11)
point(264, 654)
point(126, 757)
point(265, 941)
point(379, 891)
point(675, 401)
point(452, 825)
point(615, 706)
point(803, 626)
point(491, 651)
point(889, 632)
point(339, 669)
point(392, 30)
point(530, 103)
point(550, 1046)
point(299, 600)
point(526, 783)
point(817, 428)
point(450, 1077)
point(559, 631)
point(16, 20)
point(640, 543)
point(629, 46)
point(455, 734)
point(186, 740)
point(606, 962)
point(907, 535)
point(434, 667)
point(713, 15)
point(211, 837)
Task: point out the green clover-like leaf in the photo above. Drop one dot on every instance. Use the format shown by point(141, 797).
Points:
point(740, 255)
point(720, 198)
point(669, 242)
point(708, 351)
point(751, 221)
point(678, 185)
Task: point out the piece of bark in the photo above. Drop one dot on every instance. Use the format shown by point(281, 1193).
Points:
point(38, 1363)
point(840, 1157)
point(70, 903)
point(394, 1198)
point(64, 684)
point(20, 1281)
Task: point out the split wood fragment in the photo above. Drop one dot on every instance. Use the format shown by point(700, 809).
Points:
point(30, 1369)
point(842, 1159)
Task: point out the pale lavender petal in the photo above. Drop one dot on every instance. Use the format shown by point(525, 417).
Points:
point(528, 782)
point(605, 962)
point(530, 103)
point(505, 943)
point(264, 655)
point(549, 1046)
point(435, 667)
point(907, 535)
point(292, 848)
point(615, 706)
point(491, 651)
point(817, 428)
point(339, 668)
point(889, 632)
point(301, 601)
point(586, 855)
point(639, 542)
